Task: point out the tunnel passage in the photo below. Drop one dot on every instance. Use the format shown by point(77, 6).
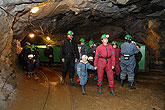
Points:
point(143, 19)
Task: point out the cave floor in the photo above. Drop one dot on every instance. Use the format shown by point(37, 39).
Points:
point(149, 93)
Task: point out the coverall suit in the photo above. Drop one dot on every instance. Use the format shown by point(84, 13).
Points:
point(128, 65)
point(104, 60)
point(117, 61)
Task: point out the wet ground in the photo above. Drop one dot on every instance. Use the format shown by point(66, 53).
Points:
point(35, 94)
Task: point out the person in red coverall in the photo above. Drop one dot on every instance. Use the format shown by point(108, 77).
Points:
point(117, 60)
point(105, 60)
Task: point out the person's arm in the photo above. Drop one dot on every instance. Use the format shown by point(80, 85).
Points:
point(91, 67)
point(76, 51)
point(62, 51)
point(97, 55)
point(113, 57)
point(79, 70)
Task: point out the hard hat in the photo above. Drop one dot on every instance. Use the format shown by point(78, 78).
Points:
point(90, 58)
point(33, 47)
point(103, 36)
point(82, 40)
point(114, 42)
point(128, 36)
point(47, 45)
point(84, 57)
point(91, 42)
point(30, 56)
point(70, 32)
point(27, 43)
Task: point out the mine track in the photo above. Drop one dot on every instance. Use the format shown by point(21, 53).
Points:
point(48, 91)
point(70, 89)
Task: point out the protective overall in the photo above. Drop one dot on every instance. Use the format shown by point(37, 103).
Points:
point(104, 60)
point(128, 62)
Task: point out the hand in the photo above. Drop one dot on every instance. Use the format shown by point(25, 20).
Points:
point(79, 77)
point(113, 67)
point(119, 58)
point(95, 68)
point(34, 61)
point(76, 60)
point(50, 55)
point(63, 60)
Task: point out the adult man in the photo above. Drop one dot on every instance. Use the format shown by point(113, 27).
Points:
point(48, 52)
point(128, 62)
point(117, 59)
point(105, 60)
point(69, 55)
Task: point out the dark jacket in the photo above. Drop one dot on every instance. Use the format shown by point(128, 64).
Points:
point(48, 52)
point(138, 57)
point(69, 48)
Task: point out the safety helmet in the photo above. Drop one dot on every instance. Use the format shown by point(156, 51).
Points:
point(90, 58)
point(128, 36)
point(91, 42)
point(27, 43)
point(47, 45)
point(84, 57)
point(103, 36)
point(32, 47)
point(114, 42)
point(70, 32)
point(30, 56)
point(82, 40)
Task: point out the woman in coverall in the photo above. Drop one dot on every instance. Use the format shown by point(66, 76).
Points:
point(82, 71)
point(105, 60)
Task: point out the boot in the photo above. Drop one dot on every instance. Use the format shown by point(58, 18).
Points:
point(112, 91)
point(72, 83)
point(130, 86)
point(100, 91)
point(118, 78)
point(83, 90)
point(28, 75)
point(121, 83)
point(63, 81)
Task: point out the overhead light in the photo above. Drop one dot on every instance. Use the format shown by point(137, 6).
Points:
point(34, 9)
point(31, 35)
point(48, 38)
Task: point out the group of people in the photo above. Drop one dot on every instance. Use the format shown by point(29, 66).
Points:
point(104, 58)
point(31, 58)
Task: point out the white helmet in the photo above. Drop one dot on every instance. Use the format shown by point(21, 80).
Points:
point(30, 56)
point(90, 58)
point(84, 57)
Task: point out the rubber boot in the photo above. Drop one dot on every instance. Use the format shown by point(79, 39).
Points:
point(72, 83)
point(95, 78)
point(28, 75)
point(130, 86)
point(83, 90)
point(100, 91)
point(63, 81)
point(121, 83)
point(112, 91)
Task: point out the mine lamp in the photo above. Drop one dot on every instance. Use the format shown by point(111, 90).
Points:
point(48, 38)
point(34, 9)
point(31, 35)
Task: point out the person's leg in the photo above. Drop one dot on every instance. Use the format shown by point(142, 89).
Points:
point(64, 71)
point(123, 73)
point(109, 72)
point(131, 75)
point(71, 71)
point(100, 71)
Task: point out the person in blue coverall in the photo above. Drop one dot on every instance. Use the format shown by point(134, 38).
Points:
point(128, 62)
point(82, 71)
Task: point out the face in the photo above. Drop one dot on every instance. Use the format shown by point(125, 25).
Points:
point(47, 47)
point(84, 59)
point(91, 46)
point(82, 43)
point(105, 41)
point(115, 46)
point(70, 36)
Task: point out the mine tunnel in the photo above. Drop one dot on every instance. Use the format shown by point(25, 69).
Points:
point(53, 25)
